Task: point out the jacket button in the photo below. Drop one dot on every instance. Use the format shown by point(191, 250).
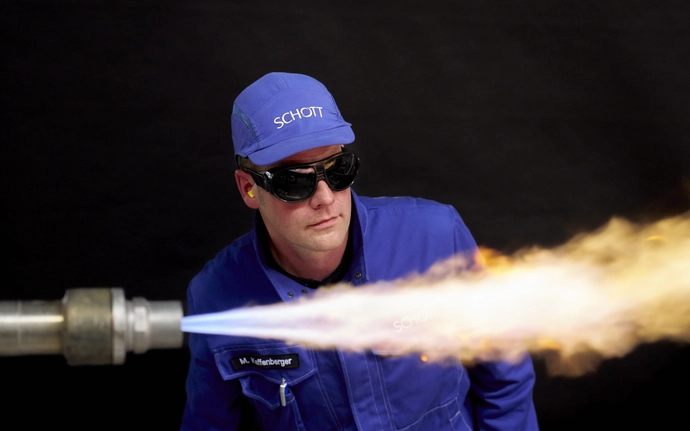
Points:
point(290, 294)
point(305, 291)
point(358, 275)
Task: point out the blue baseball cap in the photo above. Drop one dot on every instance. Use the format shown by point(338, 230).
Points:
point(281, 114)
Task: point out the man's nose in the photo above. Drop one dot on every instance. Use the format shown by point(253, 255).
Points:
point(323, 195)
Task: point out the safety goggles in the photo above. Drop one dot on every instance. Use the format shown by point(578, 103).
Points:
point(295, 183)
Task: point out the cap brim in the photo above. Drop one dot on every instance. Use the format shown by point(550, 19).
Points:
point(288, 147)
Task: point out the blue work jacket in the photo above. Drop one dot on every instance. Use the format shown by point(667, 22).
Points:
point(235, 382)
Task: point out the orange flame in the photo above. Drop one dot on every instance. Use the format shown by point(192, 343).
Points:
point(597, 296)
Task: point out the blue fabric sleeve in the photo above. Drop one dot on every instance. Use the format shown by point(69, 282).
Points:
point(500, 392)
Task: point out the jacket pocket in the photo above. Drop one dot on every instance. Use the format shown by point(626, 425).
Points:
point(419, 394)
point(266, 372)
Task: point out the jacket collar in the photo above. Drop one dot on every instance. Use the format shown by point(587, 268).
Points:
point(289, 289)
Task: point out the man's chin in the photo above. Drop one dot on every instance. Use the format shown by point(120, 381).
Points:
point(328, 242)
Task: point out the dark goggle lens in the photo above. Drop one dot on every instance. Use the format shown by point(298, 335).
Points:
point(294, 184)
point(342, 171)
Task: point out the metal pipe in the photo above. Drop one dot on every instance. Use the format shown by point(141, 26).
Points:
point(89, 326)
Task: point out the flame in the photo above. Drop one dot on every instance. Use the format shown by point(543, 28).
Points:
point(597, 296)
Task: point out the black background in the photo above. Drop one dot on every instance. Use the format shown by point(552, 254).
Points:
point(536, 119)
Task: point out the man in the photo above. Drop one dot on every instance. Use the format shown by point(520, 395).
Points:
point(312, 230)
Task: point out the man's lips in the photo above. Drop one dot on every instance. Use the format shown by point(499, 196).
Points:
point(325, 222)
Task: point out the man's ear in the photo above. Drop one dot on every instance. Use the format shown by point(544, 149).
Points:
point(247, 188)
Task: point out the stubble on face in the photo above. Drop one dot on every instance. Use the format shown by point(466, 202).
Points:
point(262, 200)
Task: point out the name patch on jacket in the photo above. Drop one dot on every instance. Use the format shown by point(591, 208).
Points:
point(266, 361)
